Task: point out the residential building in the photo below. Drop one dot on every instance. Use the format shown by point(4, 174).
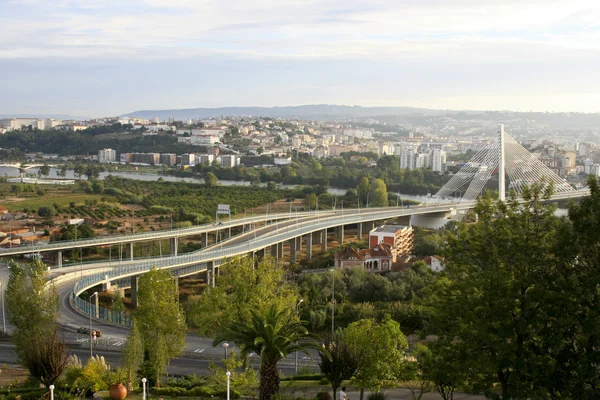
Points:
point(107, 156)
point(438, 160)
point(399, 237)
point(229, 161)
point(379, 258)
point(168, 159)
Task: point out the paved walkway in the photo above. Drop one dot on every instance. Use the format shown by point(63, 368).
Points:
point(393, 394)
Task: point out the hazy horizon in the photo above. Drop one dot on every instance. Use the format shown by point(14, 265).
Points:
point(106, 57)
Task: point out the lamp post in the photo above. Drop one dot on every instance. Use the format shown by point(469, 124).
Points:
point(228, 381)
point(144, 388)
point(332, 301)
point(3, 316)
point(225, 346)
point(296, 358)
point(51, 387)
point(91, 342)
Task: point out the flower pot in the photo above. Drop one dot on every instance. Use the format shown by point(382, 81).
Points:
point(118, 392)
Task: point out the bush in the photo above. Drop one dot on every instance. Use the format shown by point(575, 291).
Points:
point(323, 396)
point(46, 211)
point(324, 381)
point(377, 396)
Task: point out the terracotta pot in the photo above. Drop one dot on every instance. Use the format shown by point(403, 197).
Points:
point(118, 392)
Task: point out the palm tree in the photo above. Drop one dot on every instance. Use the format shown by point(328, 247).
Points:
point(271, 334)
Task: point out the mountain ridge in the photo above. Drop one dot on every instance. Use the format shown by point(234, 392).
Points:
point(312, 111)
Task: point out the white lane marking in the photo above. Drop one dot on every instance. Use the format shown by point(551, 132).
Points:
point(199, 351)
point(118, 344)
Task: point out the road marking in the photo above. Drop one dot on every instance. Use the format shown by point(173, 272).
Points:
point(80, 340)
point(199, 351)
point(118, 344)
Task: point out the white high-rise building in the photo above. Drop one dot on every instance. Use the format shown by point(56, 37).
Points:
point(438, 162)
point(107, 155)
point(407, 157)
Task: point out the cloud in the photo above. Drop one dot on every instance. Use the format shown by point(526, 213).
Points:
point(298, 29)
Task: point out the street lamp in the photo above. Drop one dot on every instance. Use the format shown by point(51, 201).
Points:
point(296, 360)
point(91, 343)
point(332, 301)
point(228, 381)
point(144, 380)
point(225, 346)
point(51, 387)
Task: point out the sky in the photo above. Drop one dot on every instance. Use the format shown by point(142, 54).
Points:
point(108, 57)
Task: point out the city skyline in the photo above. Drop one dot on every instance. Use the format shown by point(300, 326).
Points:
point(105, 58)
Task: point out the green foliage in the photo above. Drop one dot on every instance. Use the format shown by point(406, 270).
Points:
point(339, 361)
point(31, 308)
point(377, 396)
point(241, 288)
point(210, 179)
point(512, 306)
point(240, 379)
point(133, 354)
point(380, 195)
point(46, 211)
point(380, 348)
point(272, 334)
point(160, 318)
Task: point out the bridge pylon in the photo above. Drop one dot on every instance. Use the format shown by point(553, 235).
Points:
point(508, 159)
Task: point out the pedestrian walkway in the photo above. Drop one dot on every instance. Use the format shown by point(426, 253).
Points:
point(393, 394)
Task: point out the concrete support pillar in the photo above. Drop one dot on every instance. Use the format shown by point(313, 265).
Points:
point(359, 228)
point(279, 250)
point(173, 242)
point(324, 240)
point(59, 258)
point(106, 284)
point(210, 267)
point(293, 243)
point(309, 240)
point(404, 220)
point(299, 243)
point(134, 290)
point(129, 251)
point(340, 234)
point(97, 301)
point(204, 239)
point(274, 250)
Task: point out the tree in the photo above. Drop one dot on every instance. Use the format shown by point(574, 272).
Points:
point(161, 319)
point(272, 334)
point(241, 287)
point(511, 303)
point(46, 357)
point(46, 211)
point(117, 302)
point(338, 361)
point(210, 179)
point(363, 190)
point(380, 347)
point(98, 187)
point(380, 195)
point(414, 373)
point(79, 169)
point(63, 170)
point(44, 170)
point(310, 201)
point(582, 343)
point(133, 354)
point(32, 308)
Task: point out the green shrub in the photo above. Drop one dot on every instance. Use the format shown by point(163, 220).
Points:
point(377, 396)
point(324, 381)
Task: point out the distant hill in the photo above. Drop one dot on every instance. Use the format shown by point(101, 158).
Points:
point(318, 111)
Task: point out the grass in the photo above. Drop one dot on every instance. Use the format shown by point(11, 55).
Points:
point(62, 195)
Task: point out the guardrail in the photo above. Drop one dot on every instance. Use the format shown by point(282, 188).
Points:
point(138, 237)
